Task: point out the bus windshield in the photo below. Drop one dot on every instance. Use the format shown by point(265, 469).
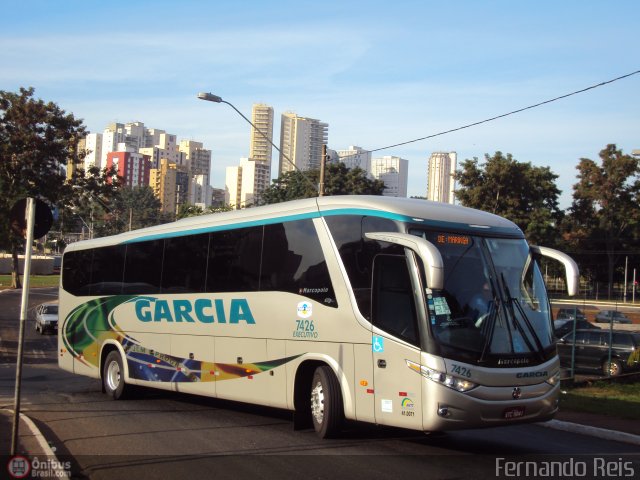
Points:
point(493, 305)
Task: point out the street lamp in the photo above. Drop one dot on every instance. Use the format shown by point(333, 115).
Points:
point(210, 97)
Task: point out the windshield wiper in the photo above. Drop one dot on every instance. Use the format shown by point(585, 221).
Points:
point(536, 339)
point(491, 322)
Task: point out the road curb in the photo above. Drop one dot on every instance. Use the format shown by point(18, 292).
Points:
point(593, 431)
point(35, 431)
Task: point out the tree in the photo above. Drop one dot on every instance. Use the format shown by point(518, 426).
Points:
point(131, 208)
point(339, 180)
point(37, 139)
point(604, 214)
point(526, 195)
point(187, 210)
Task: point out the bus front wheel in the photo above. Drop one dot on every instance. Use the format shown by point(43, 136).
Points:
point(113, 376)
point(326, 403)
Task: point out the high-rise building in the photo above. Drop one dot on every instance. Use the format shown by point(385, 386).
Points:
point(244, 183)
point(197, 158)
point(133, 167)
point(301, 141)
point(165, 147)
point(355, 156)
point(200, 192)
point(198, 166)
point(441, 181)
point(114, 134)
point(394, 172)
point(163, 182)
point(260, 147)
point(93, 148)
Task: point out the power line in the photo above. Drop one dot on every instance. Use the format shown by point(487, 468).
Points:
point(498, 116)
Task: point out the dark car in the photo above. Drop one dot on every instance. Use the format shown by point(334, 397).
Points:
point(562, 327)
point(608, 316)
point(570, 313)
point(592, 350)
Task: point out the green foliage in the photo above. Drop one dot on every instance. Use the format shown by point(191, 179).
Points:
point(37, 141)
point(187, 210)
point(339, 180)
point(604, 215)
point(526, 195)
point(614, 399)
point(132, 208)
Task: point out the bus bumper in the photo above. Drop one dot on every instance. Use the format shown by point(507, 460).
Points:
point(447, 409)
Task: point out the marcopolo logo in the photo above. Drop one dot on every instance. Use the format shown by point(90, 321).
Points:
point(203, 310)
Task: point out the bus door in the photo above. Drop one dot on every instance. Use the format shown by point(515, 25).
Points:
point(395, 340)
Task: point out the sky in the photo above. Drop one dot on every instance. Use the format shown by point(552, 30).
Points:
point(378, 72)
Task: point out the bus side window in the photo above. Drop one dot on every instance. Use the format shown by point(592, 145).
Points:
point(293, 261)
point(184, 267)
point(107, 270)
point(234, 260)
point(393, 308)
point(76, 272)
point(143, 267)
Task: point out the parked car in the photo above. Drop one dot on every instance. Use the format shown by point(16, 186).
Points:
point(562, 327)
point(570, 313)
point(47, 317)
point(57, 263)
point(592, 350)
point(606, 316)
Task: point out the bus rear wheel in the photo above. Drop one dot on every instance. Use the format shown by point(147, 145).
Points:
point(326, 403)
point(113, 376)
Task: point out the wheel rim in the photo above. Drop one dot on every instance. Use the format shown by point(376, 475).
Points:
point(613, 369)
point(317, 403)
point(113, 376)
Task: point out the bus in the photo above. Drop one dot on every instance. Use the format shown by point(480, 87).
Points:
point(394, 311)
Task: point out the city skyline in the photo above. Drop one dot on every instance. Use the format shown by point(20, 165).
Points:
point(376, 83)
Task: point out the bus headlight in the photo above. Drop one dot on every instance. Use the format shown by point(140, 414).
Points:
point(454, 383)
point(554, 379)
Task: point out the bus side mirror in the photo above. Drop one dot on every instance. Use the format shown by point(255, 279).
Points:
point(571, 268)
point(427, 251)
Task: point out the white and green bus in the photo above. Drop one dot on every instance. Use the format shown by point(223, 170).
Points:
point(399, 312)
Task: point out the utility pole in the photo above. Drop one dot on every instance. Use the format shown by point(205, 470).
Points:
point(30, 214)
point(323, 160)
point(626, 265)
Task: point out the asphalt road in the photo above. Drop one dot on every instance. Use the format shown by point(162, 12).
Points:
point(165, 435)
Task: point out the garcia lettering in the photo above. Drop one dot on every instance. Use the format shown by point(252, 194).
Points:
point(202, 310)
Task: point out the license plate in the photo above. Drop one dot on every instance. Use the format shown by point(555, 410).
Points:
point(513, 413)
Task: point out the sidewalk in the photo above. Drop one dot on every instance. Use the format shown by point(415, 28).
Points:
point(607, 422)
point(30, 440)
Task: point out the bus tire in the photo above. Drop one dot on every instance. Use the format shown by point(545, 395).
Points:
point(326, 403)
point(113, 376)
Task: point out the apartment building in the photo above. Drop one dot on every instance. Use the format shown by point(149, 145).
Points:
point(440, 177)
point(133, 167)
point(301, 141)
point(394, 172)
point(260, 147)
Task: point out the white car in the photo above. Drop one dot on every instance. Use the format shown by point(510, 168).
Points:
point(47, 317)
